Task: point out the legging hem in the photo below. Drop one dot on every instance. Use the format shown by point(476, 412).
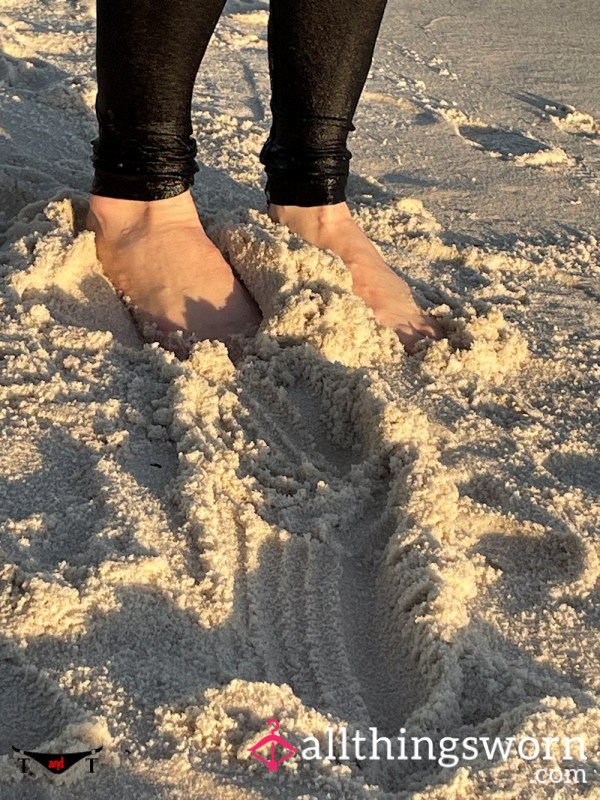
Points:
point(137, 187)
point(322, 191)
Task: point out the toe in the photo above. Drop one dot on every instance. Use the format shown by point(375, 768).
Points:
point(411, 333)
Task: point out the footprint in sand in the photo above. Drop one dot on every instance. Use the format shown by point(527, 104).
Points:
point(328, 498)
point(565, 116)
point(508, 144)
point(320, 562)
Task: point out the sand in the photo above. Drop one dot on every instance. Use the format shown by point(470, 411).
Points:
point(326, 531)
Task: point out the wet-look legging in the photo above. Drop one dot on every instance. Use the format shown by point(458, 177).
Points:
point(148, 54)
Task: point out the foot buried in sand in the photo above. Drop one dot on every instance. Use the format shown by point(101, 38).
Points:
point(158, 256)
point(332, 227)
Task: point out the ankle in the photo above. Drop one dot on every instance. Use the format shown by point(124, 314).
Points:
point(115, 216)
point(319, 217)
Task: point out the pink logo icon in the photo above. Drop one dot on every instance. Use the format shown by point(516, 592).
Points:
point(273, 739)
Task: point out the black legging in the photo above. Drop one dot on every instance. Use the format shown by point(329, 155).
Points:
point(148, 55)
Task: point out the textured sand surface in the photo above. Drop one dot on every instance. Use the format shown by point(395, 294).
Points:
point(327, 531)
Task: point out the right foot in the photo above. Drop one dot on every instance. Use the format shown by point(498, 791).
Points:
point(157, 254)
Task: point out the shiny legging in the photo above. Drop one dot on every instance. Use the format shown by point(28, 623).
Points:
point(148, 54)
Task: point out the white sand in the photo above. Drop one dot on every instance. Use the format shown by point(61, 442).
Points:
point(328, 532)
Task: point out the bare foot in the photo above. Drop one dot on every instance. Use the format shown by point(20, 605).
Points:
point(157, 254)
point(332, 227)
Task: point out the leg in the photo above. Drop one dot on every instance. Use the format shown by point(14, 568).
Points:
point(148, 234)
point(320, 52)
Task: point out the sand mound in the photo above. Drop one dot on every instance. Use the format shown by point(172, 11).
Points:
point(326, 532)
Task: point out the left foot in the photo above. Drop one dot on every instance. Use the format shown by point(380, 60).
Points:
point(331, 227)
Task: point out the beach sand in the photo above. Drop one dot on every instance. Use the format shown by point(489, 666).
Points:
point(327, 531)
